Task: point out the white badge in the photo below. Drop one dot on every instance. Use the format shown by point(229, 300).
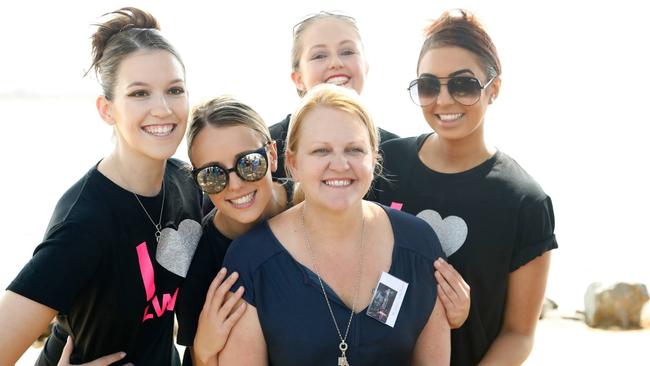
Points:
point(387, 299)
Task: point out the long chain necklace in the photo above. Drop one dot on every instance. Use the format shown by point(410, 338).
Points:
point(343, 346)
point(162, 206)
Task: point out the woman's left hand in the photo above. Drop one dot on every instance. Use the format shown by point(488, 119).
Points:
point(454, 293)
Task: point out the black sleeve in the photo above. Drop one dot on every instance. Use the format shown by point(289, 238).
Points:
point(61, 267)
point(535, 233)
point(206, 263)
point(279, 134)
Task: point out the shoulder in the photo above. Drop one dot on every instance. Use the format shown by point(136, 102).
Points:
point(516, 179)
point(253, 249)
point(386, 135)
point(414, 234)
point(279, 130)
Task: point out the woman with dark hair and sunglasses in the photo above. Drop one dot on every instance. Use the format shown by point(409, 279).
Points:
point(121, 239)
point(233, 156)
point(494, 221)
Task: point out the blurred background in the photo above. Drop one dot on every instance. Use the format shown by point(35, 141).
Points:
point(571, 109)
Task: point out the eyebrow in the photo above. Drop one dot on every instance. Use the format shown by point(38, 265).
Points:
point(462, 71)
point(344, 42)
point(141, 83)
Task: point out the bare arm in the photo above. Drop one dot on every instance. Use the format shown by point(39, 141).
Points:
point(246, 344)
point(433, 346)
point(526, 288)
point(454, 293)
point(21, 321)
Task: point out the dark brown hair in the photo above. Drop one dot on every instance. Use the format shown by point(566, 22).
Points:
point(460, 28)
point(128, 30)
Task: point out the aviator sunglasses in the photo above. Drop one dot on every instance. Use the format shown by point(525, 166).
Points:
point(250, 166)
point(465, 90)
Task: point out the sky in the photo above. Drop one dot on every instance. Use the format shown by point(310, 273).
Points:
point(571, 109)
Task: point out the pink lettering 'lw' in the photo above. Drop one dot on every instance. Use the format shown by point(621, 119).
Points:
point(147, 273)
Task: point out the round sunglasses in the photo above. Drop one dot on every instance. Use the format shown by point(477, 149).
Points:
point(250, 166)
point(465, 90)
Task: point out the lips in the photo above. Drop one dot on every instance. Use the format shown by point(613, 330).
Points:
point(243, 201)
point(338, 80)
point(338, 182)
point(450, 117)
point(159, 130)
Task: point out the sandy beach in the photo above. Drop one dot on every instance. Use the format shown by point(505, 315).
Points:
point(558, 341)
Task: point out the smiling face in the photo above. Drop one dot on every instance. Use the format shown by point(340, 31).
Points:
point(241, 201)
point(450, 119)
point(331, 53)
point(149, 108)
point(333, 160)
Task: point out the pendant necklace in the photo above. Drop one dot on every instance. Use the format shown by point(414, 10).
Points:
point(162, 206)
point(343, 346)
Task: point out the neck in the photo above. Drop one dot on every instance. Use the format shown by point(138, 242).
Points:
point(455, 156)
point(333, 228)
point(135, 174)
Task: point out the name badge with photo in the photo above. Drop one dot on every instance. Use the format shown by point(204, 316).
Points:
point(387, 300)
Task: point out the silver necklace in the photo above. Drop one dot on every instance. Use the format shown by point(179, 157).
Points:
point(162, 206)
point(343, 346)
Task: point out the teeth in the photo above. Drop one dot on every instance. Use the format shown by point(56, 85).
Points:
point(338, 80)
point(450, 117)
point(158, 130)
point(244, 199)
point(338, 182)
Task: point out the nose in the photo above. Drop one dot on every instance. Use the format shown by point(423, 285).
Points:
point(339, 163)
point(161, 107)
point(335, 61)
point(444, 98)
point(234, 182)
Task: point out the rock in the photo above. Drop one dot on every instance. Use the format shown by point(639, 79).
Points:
point(548, 306)
point(645, 315)
point(617, 305)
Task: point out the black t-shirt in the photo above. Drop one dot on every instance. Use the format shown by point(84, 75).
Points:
point(490, 220)
point(279, 134)
point(100, 267)
point(206, 263)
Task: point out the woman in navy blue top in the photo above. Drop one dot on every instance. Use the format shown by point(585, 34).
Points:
point(314, 274)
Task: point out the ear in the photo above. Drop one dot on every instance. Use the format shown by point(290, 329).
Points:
point(290, 162)
point(273, 154)
point(494, 89)
point(297, 81)
point(104, 107)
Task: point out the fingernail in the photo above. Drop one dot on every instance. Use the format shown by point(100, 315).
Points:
point(122, 354)
point(222, 270)
point(240, 289)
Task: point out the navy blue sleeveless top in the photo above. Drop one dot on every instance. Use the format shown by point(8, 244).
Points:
point(295, 320)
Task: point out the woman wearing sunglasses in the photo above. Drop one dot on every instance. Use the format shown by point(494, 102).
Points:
point(233, 154)
point(313, 274)
point(494, 221)
point(121, 239)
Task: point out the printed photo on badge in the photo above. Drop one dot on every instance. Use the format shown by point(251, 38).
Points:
point(387, 299)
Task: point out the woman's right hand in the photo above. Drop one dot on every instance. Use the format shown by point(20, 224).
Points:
point(218, 317)
point(102, 361)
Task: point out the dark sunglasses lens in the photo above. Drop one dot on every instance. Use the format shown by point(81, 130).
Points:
point(211, 179)
point(464, 90)
point(252, 167)
point(424, 90)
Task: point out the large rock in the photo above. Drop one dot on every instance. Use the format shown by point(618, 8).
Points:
point(617, 305)
point(645, 315)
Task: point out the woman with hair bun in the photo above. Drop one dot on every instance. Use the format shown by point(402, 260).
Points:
point(121, 239)
point(495, 222)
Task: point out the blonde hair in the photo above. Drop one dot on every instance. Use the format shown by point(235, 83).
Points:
point(299, 29)
point(335, 97)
